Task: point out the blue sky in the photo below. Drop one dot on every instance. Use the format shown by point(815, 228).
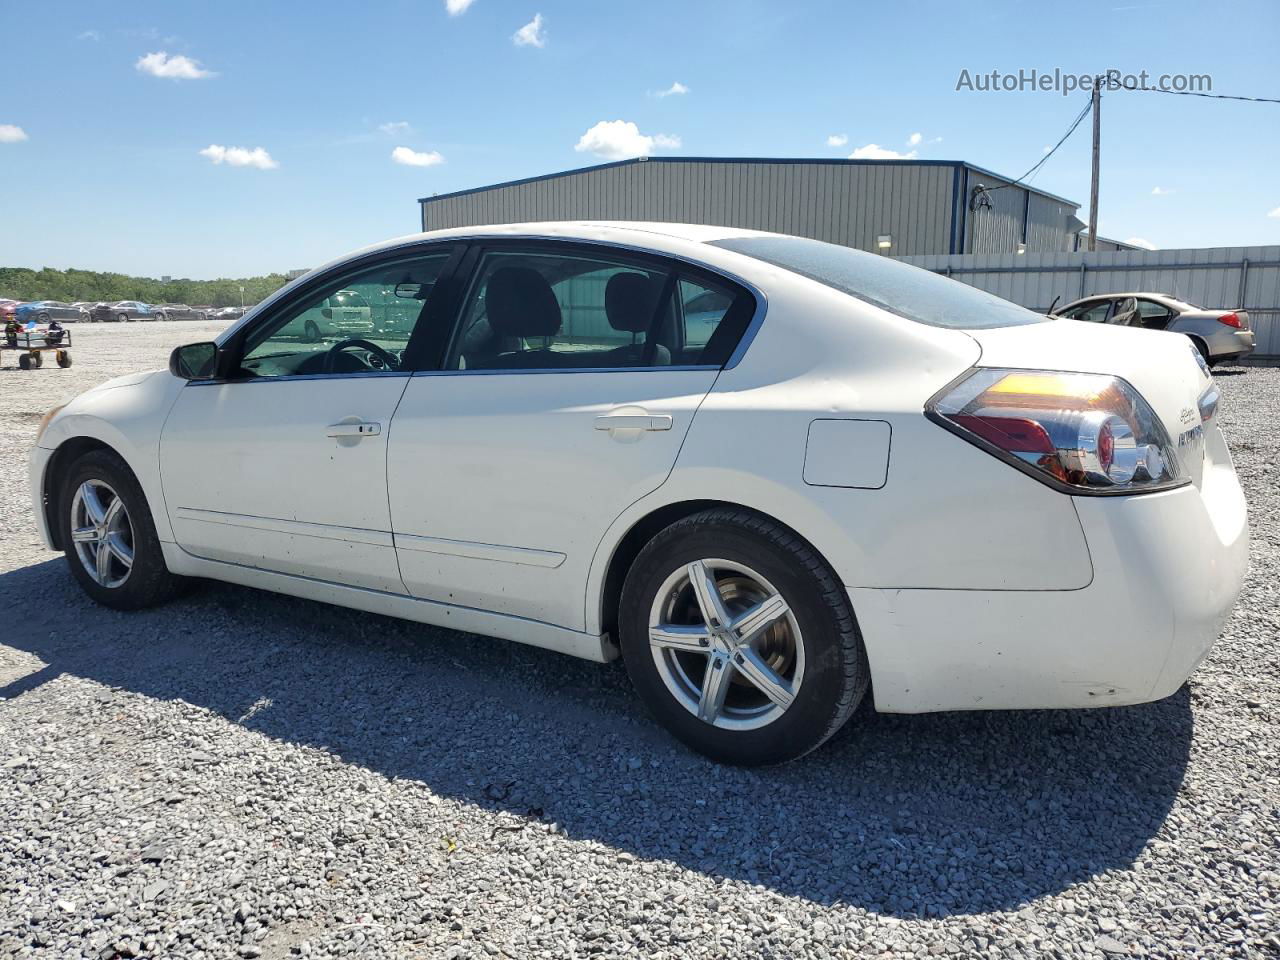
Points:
point(115, 171)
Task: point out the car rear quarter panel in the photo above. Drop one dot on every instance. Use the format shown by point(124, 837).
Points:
point(948, 515)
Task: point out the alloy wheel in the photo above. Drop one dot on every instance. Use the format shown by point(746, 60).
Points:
point(726, 644)
point(102, 533)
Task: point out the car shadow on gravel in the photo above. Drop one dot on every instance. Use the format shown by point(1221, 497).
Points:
point(923, 815)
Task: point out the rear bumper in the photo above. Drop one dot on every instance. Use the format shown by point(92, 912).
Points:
point(1167, 570)
point(1231, 344)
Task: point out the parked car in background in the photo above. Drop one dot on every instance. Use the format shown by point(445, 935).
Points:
point(122, 311)
point(344, 313)
point(228, 313)
point(209, 311)
point(177, 311)
point(8, 309)
point(1219, 335)
point(867, 478)
point(86, 308)
point(42, 311)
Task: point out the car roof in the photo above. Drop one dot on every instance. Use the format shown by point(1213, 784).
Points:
point(635, 233)
point(1148, 294)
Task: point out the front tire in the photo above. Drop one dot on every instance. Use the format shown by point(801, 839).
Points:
point(109, 537)
point(740, 638)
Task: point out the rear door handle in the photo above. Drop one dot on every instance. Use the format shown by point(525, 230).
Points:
point(648, 421)
point(357, 428)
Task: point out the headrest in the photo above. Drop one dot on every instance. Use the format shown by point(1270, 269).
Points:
point(629, 302)
point(520, 303)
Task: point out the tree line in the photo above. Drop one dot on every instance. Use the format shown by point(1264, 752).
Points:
point(20, 283)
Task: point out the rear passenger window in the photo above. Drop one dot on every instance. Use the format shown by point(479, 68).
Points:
point(702, 310)
point(537, 310)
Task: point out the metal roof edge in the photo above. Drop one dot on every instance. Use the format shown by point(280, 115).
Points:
point(1000, 176)
point(833, 161)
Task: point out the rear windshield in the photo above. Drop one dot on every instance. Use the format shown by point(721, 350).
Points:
point(910, 292)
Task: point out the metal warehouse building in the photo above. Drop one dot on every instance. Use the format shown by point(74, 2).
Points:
point(895, 207)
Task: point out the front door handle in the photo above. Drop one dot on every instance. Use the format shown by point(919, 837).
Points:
point(354, 428)
point(647, 421)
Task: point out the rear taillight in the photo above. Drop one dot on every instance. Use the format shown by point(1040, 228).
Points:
point(1078, 432)
point(1231, 320)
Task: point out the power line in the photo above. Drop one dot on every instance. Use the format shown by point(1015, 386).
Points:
point(1070, 130)
point(1193, 93)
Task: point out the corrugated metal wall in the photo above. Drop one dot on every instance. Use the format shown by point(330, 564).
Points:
point(1215, 277)
point(850, 204)
point(840, 202)
point(1049, 224)
point(996, 228)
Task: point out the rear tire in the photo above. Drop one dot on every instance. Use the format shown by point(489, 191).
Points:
point(1204, 350)
point(817, 668)
point(134, 574)
point(37, 360)
point(122, 317)
point(24, 361)
point(310, 332)
point(64, 359)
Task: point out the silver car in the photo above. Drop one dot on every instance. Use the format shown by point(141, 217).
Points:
point(1219, 335)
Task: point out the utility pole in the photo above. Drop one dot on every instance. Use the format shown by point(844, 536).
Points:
point(1093, 190)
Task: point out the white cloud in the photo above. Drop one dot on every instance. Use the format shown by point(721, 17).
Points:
point(1139, 242)
point(837, 140)
point(176, 67)
point(394, 128)
point(89, 35)
point(1274, 214)
point(620, 139)
point(457, 7)
point(915, 139)
point(415, 158)
point(11, 134)
point(530, 35)
point(1161, 191)
point(239, 156)
point(873, 151)
point(676, 89)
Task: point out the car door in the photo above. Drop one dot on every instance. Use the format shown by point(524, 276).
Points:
point(282, 464)
point(564, 396)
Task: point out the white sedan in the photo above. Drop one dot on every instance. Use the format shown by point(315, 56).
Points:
point(856, 476)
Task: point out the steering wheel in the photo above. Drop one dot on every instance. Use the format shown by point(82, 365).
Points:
point(331, 355)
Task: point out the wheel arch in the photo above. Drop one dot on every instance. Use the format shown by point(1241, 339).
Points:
point(643, 529)
point(67, 453)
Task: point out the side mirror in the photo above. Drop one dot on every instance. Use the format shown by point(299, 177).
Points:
point(195, 361)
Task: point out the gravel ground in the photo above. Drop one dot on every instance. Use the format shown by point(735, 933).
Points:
point(242, 774)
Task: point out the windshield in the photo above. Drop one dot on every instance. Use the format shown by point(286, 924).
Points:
point(910, 292)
